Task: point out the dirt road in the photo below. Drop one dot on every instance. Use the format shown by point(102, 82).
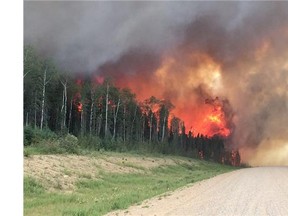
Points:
point(252, 191)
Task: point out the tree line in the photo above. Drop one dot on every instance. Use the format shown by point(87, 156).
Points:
point(93, 107)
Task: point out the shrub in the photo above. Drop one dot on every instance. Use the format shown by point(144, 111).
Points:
point(28, 135)
point(90, 142)
point(69, 144)
point(35, 135)
point(44, 134)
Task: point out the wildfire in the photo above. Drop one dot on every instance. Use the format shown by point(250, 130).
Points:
point(186, 80)
point(77, 102)
point(214, 119)
point(79, 107)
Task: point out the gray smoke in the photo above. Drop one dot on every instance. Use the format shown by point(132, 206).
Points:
point(248, 39)
point(83, 35)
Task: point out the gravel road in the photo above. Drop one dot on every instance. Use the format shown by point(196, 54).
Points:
point(251, 191)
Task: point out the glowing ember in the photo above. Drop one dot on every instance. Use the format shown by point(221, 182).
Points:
point(77, 103)
point(79, 107)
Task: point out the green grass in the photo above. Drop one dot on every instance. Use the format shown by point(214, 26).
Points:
point(115, 191)
point(32, 187)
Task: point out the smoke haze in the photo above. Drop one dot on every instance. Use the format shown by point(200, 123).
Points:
point(182, 51)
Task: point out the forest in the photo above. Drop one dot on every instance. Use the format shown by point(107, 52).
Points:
point(92, 110)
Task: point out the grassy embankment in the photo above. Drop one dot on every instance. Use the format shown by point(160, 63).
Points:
point(106, 181)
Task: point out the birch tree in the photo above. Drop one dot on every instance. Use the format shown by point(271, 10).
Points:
point(165, 108)
point(151, 104)
point(106, 109)
point(64, 104)
point(31, 73)
point(91, 110)
point(45, 82)
point(115, 114)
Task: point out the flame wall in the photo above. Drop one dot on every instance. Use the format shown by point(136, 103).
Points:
point(186, 52)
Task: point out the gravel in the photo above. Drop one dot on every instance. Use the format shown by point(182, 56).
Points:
point(251, 191)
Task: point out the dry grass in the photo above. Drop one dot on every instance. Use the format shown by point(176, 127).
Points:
point(61, 172)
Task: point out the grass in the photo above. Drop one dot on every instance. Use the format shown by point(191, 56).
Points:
point(32, 187)
point(115, 191)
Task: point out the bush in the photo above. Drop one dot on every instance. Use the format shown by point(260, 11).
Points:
point(90, 142)
point(67, 144)
point(28, 135)
point(44, 134)
point(35, 135)
point(70, 144)
point(51, 147)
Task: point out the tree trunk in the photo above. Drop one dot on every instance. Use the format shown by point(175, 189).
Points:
point(81, 123)
point(43, 98)
point(91, 113)
point(132, 125)
point(70, 115)
point(150, 132)
point(35, 112)
point(106, 113)
point(143, 131)
point(27, 119)
point(124, 123)
point(99, 124)
point(115, 118)
point(163, 128)
point(64, 105)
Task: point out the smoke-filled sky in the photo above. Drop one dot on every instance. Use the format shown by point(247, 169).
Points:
point(182, 51)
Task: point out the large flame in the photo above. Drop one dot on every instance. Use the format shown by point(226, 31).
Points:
point(190, 84)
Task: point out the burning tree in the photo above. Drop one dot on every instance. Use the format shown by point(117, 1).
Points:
point(94, 106)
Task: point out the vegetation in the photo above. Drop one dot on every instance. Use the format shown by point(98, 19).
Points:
point(70, 114)
point(64, 111)
point(112, 191)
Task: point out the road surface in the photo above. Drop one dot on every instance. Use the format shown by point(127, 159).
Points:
point(251, 191)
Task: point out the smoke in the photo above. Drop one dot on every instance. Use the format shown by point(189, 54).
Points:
point(182, 51)
point(83, 35)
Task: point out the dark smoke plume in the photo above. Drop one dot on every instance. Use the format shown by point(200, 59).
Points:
point(242, 45)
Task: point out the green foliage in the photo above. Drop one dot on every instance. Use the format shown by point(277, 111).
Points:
point(70, 144)
point(90, 142)
point(26, 153)
point(35, 135)
point(49, 147)
point(28, 135)
point(46, 143)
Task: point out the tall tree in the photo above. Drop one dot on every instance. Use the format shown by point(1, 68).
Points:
point(31, 74)
point(106, 109)
point(64, 103)
point(165, 107)
point(151, 105)
point(45, 81)
point(129, 112)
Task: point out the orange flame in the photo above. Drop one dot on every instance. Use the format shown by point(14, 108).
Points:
point(79, 107)
point(210, 122)
point(77, 103)
point(186, 80)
